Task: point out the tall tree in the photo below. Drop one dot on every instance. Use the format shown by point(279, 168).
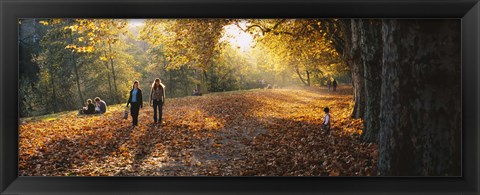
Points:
point(356, 64)
point(420, 113)
point(371, 47)
point(73, 60)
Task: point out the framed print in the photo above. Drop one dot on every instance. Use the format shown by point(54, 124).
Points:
point(224, 97)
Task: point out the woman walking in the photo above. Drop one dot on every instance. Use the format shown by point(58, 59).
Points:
point(157, 99)
point(137, 102)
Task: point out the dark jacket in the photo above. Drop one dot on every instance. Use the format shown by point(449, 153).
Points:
point(90, 109)
point(139, 98)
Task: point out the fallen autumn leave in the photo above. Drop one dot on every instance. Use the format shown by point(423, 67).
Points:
point(243, 133)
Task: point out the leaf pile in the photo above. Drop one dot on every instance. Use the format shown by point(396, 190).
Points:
point(242, 133)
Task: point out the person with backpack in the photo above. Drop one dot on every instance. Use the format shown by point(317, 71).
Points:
point(157, 99)
point(136, 100)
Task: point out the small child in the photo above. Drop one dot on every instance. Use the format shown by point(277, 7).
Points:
point(326, 120)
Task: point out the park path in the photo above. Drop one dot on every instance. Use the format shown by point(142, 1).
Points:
point(267, 132)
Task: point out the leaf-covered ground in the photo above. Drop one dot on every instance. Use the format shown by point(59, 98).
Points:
point(263, 132)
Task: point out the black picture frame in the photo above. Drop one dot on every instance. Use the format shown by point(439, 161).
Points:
point(466, 10)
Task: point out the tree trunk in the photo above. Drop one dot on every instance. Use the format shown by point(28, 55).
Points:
point(300, 76)
point(54, 93)
point(421, 98)
point(371, 51)
point(345, 27)
point(185, 82)
point(114, 75)
point(170, 82)
point(357, 70)
point(308, 78)
point(199, 77)
point(77, 79)
point(112, 95)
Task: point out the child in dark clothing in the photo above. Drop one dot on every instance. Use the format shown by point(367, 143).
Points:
point(89, 109)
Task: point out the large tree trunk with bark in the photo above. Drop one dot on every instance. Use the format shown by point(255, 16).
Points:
point(420, 115)
point(357, 70)
point(371, 51)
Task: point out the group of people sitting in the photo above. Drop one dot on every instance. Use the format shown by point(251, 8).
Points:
point(99, 107)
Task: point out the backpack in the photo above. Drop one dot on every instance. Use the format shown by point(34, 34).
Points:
point(125, 113)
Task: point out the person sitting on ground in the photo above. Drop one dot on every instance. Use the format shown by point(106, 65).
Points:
point(326, 120)
point(89, 109)
point(101, 106)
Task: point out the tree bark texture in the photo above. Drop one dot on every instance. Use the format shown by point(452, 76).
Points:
point(371, 47)
point(116, 98)
point(420, 116)
point(357, 70)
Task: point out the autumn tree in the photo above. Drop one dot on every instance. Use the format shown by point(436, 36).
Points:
point(300, 42)
point(55, 63)
point(72, 57)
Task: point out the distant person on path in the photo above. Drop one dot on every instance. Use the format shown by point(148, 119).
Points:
point(326, 120)
point(334, 83)
point(101, 106)
point(157, 99)
point(89, 109)
point(136, 100)
point(329, 83)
